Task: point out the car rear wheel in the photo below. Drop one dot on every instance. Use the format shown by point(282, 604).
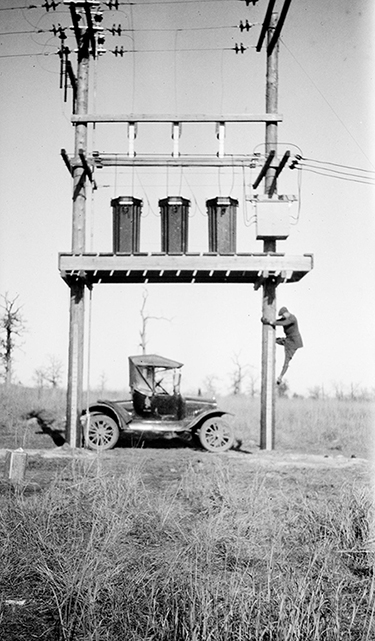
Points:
point(103, 432)
point(216, 435)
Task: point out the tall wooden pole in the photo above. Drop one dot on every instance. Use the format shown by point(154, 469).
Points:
point(77, 288)
point(267, 417)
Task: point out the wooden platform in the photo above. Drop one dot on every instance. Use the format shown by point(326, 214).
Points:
point(183, 268)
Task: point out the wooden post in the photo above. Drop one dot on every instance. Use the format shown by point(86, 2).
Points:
point(267, 416)
point(15, 465)
point(77, 288)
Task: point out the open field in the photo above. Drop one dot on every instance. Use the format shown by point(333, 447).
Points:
point(302, 425)
point(169, 543)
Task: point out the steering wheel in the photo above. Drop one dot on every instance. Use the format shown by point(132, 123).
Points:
point(159, 384)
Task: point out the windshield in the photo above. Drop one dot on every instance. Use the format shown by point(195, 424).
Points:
point(154, 375)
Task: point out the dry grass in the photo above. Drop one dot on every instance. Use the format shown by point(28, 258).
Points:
point(311, 426)
point(222, 554)
point(100, 558)
point(304, 425)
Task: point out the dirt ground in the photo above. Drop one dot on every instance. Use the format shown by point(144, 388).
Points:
point(160, 464)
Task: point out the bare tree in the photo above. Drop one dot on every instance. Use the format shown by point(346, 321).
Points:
point(317, 392)
point(339, 390)
point(238, 374)
point(39, 377)
point(51, 373)
point(39, 380)
point(145, 316)
point(253, 384)
point(12, 327)
point(210, 384)
point(103, 380)
point(355, 392)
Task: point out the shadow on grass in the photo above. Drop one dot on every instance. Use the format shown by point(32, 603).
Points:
point(46, 422)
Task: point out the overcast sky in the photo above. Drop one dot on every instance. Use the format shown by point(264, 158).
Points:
point(180, 58)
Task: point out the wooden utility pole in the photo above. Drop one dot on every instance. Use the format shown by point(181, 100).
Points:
point(77, 288)
point(267, 417)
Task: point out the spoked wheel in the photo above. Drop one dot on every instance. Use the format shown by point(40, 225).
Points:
point(103, 432)
point(216, 435)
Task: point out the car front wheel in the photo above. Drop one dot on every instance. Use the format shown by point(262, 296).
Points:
point(216, 435)
point(103, 432)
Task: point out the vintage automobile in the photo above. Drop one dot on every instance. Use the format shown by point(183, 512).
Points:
point(156, 406)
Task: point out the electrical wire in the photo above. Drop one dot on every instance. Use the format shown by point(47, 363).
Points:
point(181, 50)
point(141, 3)
point(333, 172)
point(131, 22)
point(123, 31)
point(180, 29)
point(299, 199)
point(334, 164)
point(321, 173)
point(17, 33)
point(278, 144)
point(28, 55)
point(325, 100)
point(326, 168)
point(32, 6)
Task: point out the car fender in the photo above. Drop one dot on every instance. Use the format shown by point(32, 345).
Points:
point(195, 424)
point(112, 409)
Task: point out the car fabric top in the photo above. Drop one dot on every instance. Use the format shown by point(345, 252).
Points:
point(153, 360)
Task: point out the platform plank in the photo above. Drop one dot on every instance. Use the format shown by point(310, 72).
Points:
point(183, 268)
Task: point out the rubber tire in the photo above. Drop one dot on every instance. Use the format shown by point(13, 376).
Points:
point(103, 432)
point(216, 435)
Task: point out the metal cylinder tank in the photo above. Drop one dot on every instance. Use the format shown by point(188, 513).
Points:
point(222, 224)
point(174, 212)
point(126, 224)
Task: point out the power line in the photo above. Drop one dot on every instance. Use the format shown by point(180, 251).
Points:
point(119, 30)
point(46, 5)
point(141, 3)
point(334, 164)
point(321, 173)
point(16, 33)
point(52, 5)
point(177, 29)
point(328, 169)
point(28, 55)
point(120, 52)
point(326, 101)
point(333, 172)
point(17, 8)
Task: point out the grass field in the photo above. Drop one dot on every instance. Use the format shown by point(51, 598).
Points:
point(303, 425)
point(181, 545)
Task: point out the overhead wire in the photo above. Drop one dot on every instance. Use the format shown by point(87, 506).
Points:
point(325, 100)
point(328, 169)
point(321, 173)
point(333, 172)
point(182, 50)
point(29, 55)
point(18, 33)
point(299, 199)
point(144, 2)
point(123, 4)
point(182, 29)
point(334, 164)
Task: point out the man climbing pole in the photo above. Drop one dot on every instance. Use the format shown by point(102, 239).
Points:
point(292, 339)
